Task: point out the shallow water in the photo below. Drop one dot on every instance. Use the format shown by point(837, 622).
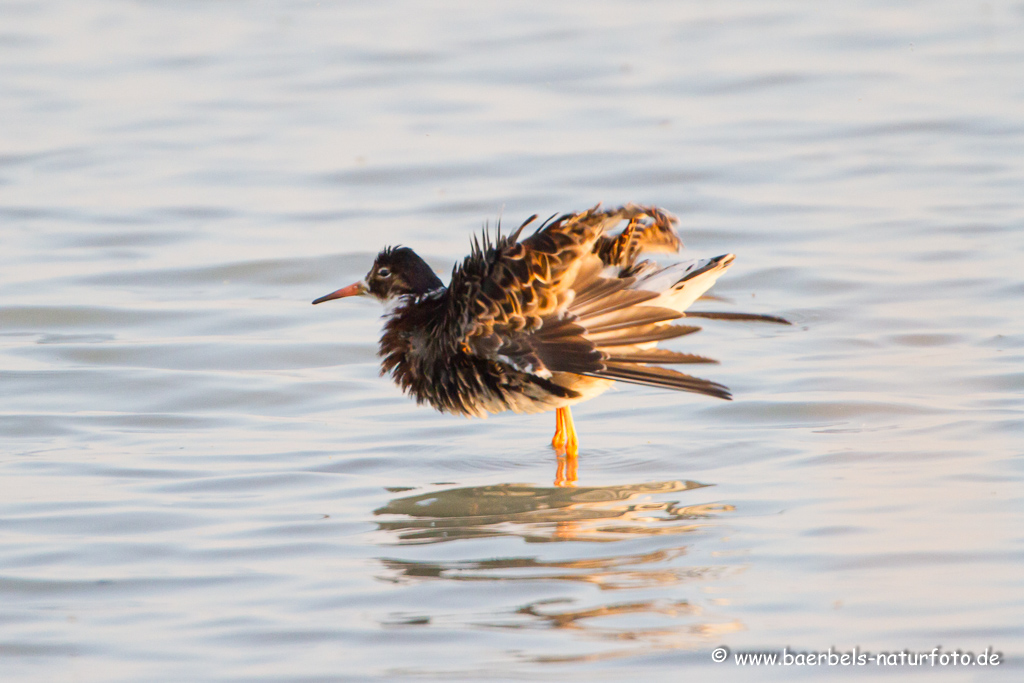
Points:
point(203, 477)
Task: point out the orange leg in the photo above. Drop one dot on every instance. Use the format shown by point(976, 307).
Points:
point(565, 432)
point(558, 440)
point(567, 446)
point(572, 444)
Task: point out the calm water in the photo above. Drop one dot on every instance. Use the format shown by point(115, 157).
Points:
point(203, 479)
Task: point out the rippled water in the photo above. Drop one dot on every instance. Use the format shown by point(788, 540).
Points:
point(203, 478)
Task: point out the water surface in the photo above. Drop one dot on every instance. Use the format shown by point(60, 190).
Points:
point(203, 478)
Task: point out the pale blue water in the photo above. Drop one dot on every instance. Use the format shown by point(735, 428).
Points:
point(203, 478)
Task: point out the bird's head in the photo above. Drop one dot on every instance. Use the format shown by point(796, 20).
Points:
point(396, 272)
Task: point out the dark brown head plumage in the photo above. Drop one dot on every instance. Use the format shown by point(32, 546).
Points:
point(398, 271)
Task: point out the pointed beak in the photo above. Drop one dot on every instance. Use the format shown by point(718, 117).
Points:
point(355, 289)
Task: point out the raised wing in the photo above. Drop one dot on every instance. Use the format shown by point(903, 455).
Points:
point(569, 299)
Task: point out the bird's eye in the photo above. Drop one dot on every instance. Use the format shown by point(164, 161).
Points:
point(383, 272)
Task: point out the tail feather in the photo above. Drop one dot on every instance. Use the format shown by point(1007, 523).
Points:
point(663, 378)
point(755, 317)
point(658, 356)
point(614, 301)
point(640, 335)
point(629, 318)
point(621, 327)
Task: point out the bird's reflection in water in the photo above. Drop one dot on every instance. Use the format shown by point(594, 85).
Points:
point(594, 513)
point(598, 514)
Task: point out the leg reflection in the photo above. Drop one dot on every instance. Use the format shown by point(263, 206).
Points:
point(566, 473)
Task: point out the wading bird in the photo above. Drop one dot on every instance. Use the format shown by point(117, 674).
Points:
point(544, 322)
